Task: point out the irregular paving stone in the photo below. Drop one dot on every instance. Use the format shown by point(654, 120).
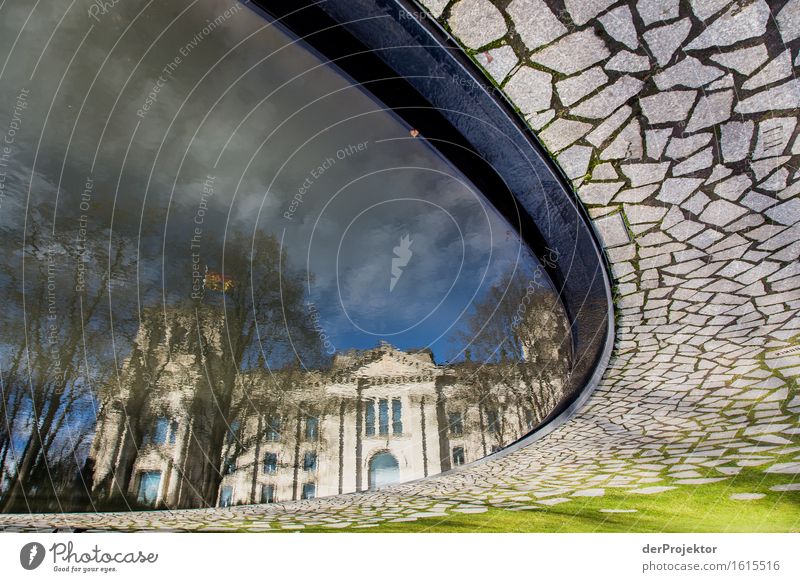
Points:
point(639, 213)
point(681, 147)
point(530, 90)
point(589, 493)
point(667, 106)
point(744, 60)
point(604, 172)
point(704, 9)
point(735, 140)
point(788, 20)
point(737, 23)
point(778, 68)
point(573, 89)
point(676, 190)
point(635, 194)
point(785, 96)
point(599, 192)
point(618, 23)
point(538, 120)
point(603, 131)
point(627, 145)
point(535, 23)
point(609, 99)
point(498, 62)
point(762, 168)
point(773, 136)
point(563, 132)
point(689, 72)
point(718, 173)
point(476, 22)
point(656, 141)
point(553, 501)
point(790, 468)
point(733, 188)
point(651, 11)
point(582, 11)
point(628, 62)
point(572, 53)
point(436, 7)
point(612, 230)
point(721, 212)
point(710, 110)
point(575, 161)
point(699, 161)
point(776, 181)
point(651, 490)
point(665, 40)
point(758, 202)
point(725, 82)
point(787, 213)
point(686, 229)
point(647, 173)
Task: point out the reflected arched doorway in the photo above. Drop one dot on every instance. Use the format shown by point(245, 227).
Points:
point(383, 471)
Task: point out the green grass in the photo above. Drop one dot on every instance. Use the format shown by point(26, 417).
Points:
point(689, 508)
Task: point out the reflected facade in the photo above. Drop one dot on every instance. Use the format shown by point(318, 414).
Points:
point(378, 417)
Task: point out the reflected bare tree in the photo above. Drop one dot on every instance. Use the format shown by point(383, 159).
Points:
point(192, 359)
point(518, 337)
point(53, 314)
point(264, 319)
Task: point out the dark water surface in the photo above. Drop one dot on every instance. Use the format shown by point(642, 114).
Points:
point(231, 276)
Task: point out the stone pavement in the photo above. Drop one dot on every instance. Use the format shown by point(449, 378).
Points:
point(677, 122)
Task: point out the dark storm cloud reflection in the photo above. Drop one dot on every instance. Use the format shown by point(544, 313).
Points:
point(191, 201)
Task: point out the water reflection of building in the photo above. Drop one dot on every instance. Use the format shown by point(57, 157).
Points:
point(378, 417)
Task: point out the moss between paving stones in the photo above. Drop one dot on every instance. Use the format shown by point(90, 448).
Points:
point(706, 508)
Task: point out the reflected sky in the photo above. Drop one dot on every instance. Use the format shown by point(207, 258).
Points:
point(189, 133)
point(192, 157)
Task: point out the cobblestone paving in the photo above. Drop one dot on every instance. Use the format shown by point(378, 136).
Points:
point(677, 122)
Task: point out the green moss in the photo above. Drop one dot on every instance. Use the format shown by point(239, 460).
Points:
point(701, 508)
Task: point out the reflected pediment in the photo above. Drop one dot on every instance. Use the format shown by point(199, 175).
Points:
point(385, 364)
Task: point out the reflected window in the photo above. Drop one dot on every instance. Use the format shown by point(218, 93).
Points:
point(369, 418)
point(493, 421)
point(397, 417)
point(173, 432)
point(229, 466)
point(149, 482)
point(159, 435)
point(226, 496)
point(268, 493)
point(312, 428)
point(383, 470)
point(309, 491)
point(310, 461)
point(233, 431)
point(456, 423)
point(458, 456)
point(271, 463)
point(274, 428)
point(383, 417)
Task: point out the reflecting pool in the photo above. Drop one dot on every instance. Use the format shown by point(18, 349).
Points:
point(232, 276)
